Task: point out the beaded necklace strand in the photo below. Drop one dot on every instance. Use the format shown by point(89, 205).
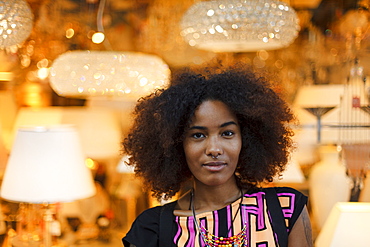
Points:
point(211, 240)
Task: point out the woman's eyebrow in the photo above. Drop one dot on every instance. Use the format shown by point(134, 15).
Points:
point(228, 123)
point(221, 126)
point(197, 127)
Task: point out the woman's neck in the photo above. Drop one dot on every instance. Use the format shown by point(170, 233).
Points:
point(206, 198)
point(209, 198)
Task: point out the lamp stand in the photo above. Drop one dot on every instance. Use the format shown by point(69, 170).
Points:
point(356, 188)
point(319, 112)
point(48, 218)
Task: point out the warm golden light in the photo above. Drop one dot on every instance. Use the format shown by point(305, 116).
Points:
point(43, 73)
point(6, 76)
point(91, 164)
point(70, 32)
point(98, 37)
point(43, 63)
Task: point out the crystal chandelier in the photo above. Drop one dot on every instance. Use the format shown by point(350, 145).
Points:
point(240, 25)
point(108, 74)
point(15, 22)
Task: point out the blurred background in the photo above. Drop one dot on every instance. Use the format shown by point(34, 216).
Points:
point(332, 47)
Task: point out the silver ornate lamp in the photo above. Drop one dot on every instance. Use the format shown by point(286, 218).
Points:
point(15, 22)
point(240, 25)
point(108, 74)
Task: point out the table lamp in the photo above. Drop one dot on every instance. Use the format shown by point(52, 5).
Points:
point(347, 225)
point(354, 126)
point(343, 119)
point(46, 165)
point(318, 100)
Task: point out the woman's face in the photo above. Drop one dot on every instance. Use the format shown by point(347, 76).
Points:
point(212, 144)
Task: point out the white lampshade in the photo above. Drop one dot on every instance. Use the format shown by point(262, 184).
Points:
point(47, 165)
point(319, 95)
point(16, 21)
point(240, 25)
point(347, 225)
point(98, 127)
point(84, 74)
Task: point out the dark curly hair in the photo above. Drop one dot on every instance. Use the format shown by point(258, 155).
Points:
point(155, 142)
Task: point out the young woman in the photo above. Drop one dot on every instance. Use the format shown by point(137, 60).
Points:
point(227, 133)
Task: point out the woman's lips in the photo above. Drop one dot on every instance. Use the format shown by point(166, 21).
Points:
point(214, 166)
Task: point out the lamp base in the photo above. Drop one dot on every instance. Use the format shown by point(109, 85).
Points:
point(356, 189)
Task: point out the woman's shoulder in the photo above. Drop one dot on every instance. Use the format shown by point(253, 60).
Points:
point(291, 201)
point(290, 193)
point(155, 212)
point(283, 191)
point(277, 190)
point(285, 195)
point(148, 224)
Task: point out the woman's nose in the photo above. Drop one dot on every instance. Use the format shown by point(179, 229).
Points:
point(214, 147)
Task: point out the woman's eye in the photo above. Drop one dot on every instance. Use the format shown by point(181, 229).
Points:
point(198, 135)
point(228, 133)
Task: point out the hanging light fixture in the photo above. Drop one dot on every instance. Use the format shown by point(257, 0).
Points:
point(15, 22)
point(240, 25)
point(84, 74)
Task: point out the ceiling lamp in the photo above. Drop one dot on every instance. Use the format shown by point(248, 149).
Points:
point(240, 25)
point(112, 74)
point(15, 22)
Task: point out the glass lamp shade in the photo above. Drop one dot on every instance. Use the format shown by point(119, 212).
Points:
point(84, 74)
point(240, 25)
point(47, 165)
point(16, 21)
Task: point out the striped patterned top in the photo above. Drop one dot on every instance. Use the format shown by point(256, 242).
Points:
point(225, 222)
